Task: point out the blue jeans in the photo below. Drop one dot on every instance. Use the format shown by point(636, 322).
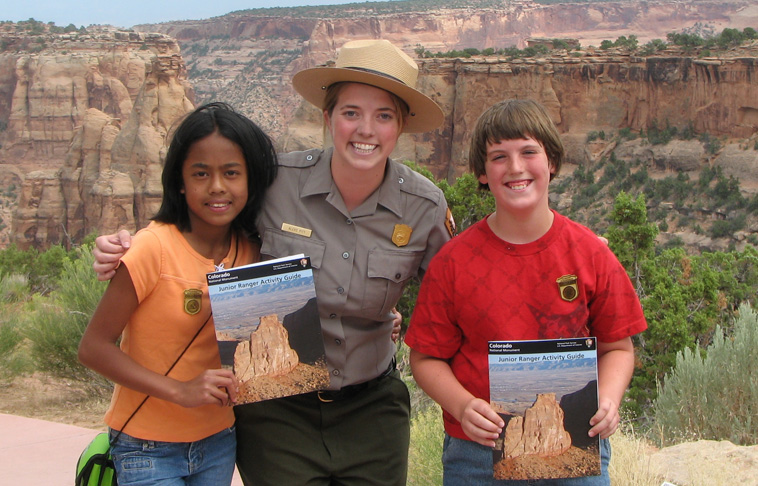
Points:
point(466, 463)
point(206, 462)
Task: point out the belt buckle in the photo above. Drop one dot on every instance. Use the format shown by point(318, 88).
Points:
point(323, 398)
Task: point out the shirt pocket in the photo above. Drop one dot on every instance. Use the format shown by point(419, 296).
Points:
point(278, 244)
point(388, 271)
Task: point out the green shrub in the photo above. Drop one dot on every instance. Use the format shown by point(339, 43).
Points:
point(16, 355)
point(425, 454)
point(9, 339)
point(54, 334)
point(466, 201)
point(78, 289)
point(55, 324)
point(626, 134)
point(41, 269)
point(639, 178)
point(14, 288)
point(727, 228)
point(559, 44)
point(673, 242)
point(685, 298)
point(710, 143)
point(715, 396)
point(660, 136)
point(14, 360)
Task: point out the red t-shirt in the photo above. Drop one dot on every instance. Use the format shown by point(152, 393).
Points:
point(480, 288)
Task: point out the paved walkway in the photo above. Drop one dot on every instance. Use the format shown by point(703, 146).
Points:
point(35, 451)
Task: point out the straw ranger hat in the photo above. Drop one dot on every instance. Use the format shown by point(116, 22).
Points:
point(376, 63)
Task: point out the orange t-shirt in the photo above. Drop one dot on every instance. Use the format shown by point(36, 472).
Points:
point(167, 274)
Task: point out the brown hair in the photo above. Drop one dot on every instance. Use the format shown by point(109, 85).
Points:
point(513, 120)
point(333, 94)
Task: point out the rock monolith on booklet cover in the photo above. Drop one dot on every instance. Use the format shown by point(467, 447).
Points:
point(539, 433)
point(267, 353)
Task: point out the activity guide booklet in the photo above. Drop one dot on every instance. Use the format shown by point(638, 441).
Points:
point(268, 328)
point(546, 392)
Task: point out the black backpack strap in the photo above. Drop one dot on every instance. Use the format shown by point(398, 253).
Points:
point(115, 439)
point(103, 460)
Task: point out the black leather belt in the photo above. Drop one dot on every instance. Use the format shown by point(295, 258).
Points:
point(348, 391)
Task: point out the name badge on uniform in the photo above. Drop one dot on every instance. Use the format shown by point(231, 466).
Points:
point(402, 234)
point(567, 287)
point(291, 228)
point(193, 301)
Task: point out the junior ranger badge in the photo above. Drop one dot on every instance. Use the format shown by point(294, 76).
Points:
point(193, 301)
point(567, 286)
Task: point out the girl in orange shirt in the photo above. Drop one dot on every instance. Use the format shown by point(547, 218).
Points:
point(217, 169)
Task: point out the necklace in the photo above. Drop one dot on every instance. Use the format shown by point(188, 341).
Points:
point(220, 266)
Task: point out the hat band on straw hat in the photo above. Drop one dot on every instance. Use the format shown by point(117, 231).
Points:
point(378, 73)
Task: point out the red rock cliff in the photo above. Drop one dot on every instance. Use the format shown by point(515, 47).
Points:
point(86, 117)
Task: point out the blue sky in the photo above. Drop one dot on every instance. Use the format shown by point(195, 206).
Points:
point(127, 13)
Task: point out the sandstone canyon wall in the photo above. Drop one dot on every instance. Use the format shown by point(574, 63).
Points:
point(301, 38)
point(597, 90)
point(86, 117)
point(86, 123)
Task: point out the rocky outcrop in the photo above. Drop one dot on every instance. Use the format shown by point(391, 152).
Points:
point(267, 353)
point(88, 119)
point(721, 462)
point(740, 162)
point(539, 433)
point(591, 92)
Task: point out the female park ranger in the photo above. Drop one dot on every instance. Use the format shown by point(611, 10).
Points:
point(369, 224)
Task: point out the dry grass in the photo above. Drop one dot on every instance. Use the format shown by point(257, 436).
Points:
point(632, 465)
point(52, 399)
point(630, 461)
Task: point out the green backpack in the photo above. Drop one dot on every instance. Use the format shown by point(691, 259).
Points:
point(95, 466)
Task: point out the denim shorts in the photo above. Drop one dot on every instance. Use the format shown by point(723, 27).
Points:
point(466, 463)
point(206, 462)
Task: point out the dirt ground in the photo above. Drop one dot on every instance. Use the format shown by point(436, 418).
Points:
point(54, 399)
point(45, 398)
point(575, 462)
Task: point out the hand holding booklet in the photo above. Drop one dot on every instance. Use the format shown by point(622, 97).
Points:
point(546, 392)
point(268, 328)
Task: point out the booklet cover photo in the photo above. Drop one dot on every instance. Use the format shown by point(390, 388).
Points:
point(268, 328)
point(546, 392)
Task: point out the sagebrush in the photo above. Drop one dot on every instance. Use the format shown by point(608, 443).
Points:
point(712, 393)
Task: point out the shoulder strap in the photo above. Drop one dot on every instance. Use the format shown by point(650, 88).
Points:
point(115, 439)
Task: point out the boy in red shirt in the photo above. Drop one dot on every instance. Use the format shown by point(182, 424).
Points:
point(497, 281)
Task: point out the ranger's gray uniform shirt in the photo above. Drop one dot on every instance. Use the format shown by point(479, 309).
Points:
point(359, 271)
